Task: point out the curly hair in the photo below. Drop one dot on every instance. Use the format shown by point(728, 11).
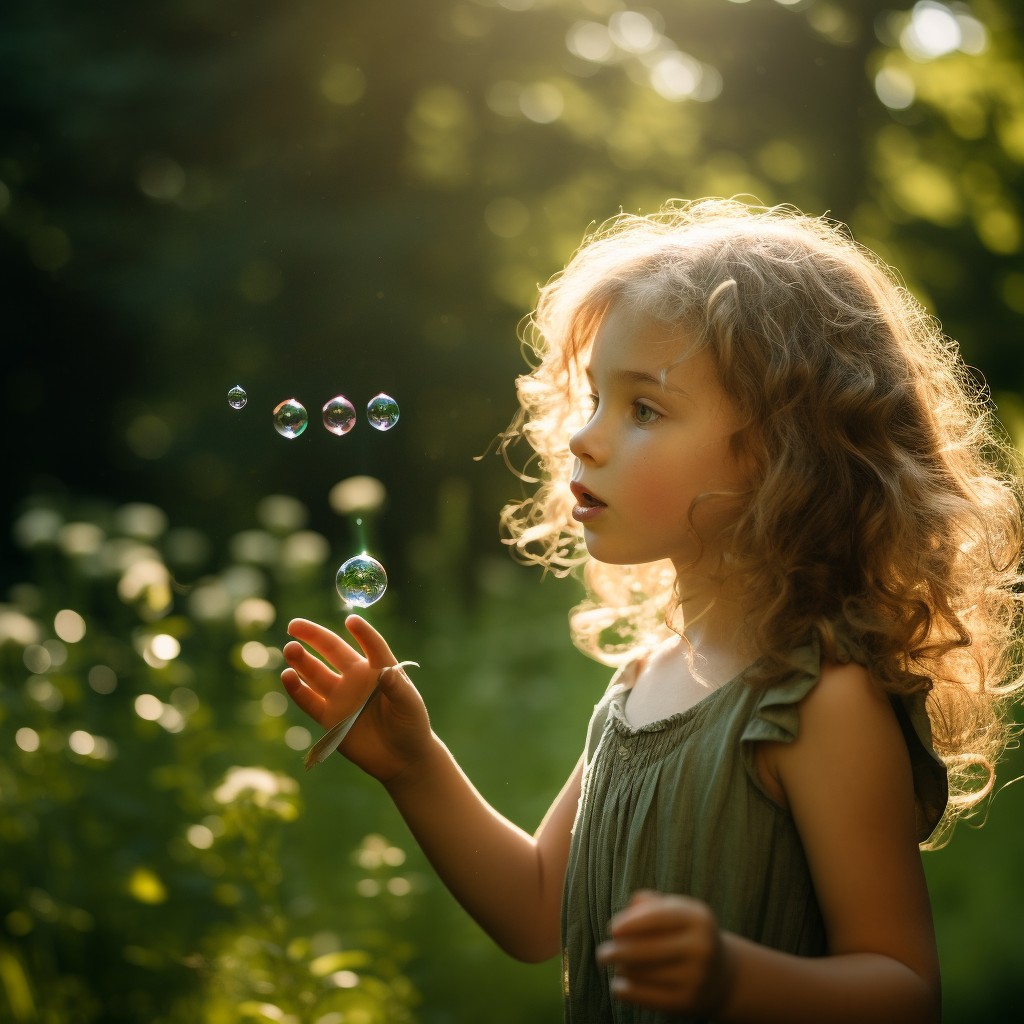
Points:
point(884, 516)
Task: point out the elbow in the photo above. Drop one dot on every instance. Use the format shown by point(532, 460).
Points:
point(532, 949)
point(535, 955)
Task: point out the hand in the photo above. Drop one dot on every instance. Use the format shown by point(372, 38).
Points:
point(668, 955)
point(393, 731)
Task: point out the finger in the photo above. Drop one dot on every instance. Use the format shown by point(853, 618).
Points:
point(677, 976)
point(339, 653)
point(373, 645)
point(305, 699)
point(652, 997)
point(667, 913)
point(312, 671)
point(662, 948)
point(640, 895)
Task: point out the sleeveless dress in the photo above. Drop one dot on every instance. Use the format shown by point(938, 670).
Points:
point(678, 806)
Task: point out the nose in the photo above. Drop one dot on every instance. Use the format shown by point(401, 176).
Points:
point(586, 444)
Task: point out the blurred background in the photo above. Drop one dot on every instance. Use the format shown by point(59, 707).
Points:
point(314, 198)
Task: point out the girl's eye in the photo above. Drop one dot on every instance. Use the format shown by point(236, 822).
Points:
point(643, 413)
point(590, 405)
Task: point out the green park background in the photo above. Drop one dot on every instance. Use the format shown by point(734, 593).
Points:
point(317, 197)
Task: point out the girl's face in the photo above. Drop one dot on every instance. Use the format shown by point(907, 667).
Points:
point(651, 447)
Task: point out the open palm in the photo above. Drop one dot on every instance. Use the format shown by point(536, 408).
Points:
point(393, 731)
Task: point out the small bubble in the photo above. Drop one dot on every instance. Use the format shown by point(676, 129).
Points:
point(237, 397)
point(290, 418)
point(339, 415)
point(362, 581)
point(382, 412)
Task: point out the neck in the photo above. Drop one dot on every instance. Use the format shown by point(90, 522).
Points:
point(712, 613)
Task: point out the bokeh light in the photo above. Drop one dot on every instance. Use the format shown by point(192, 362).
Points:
point(27, 739)
point(298, 737)
point(357, 494)
point(69, 625)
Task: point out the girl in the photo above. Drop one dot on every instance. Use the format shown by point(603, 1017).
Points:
point(802, 532)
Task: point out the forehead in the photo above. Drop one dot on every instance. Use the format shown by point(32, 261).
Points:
point(625, 341)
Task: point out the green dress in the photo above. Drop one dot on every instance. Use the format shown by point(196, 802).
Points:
point(678, 806)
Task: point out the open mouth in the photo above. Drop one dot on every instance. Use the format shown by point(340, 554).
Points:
point(588, 505)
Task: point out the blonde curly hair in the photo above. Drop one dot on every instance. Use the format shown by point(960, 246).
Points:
point(885, 513)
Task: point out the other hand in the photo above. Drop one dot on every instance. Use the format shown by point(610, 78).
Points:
point(393, 731)
point(668, 954)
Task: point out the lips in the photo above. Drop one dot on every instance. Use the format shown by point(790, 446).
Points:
point(588, 505)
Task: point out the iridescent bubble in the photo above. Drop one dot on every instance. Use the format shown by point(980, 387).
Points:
point(382, 412)
point(290, 418)
point(362, 581)
point(339, 415)
point(237, 397)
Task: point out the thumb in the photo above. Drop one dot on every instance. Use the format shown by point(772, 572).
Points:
point(396, 685)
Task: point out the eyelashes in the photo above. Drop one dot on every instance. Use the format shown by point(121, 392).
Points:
point(652, 416)
point(642, 413)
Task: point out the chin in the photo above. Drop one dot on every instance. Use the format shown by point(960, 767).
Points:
point(602, 550)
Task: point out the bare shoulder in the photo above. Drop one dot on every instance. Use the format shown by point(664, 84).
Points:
point(848, 735)
point(845, 698)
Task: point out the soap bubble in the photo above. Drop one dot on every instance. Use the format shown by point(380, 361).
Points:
point(382, 412)
point(237, 397)
point(362, 581)
point(290, 418)
point(339, 415)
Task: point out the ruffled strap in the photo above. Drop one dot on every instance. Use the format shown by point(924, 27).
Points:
point(931, 784)
point(776, 717)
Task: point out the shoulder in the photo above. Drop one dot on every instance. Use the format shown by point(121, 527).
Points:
point(848, 734)
point(846, 698)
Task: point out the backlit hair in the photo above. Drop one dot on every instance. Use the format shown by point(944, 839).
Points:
point(884, 516)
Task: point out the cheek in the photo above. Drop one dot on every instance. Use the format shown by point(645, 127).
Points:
point(660, 489)
point(664, 483)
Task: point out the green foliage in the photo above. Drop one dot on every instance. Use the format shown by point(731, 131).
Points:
point(150, 877)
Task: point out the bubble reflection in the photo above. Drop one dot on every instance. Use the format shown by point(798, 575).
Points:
point(339, 415)
point(382, 412)
point(237, 397)
point(362, 581)
point(290, 418)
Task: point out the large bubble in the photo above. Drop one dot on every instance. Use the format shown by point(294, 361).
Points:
point(290, 418)
point(237, 397)
point(339, 415)
point(362, 581)
point(382, 412)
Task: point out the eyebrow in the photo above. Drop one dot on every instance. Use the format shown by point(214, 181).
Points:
point(642, 377)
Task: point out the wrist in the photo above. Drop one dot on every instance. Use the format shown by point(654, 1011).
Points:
point(418, 771)
point(721, 980)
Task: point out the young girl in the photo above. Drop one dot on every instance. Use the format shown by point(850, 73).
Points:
point(803, 531)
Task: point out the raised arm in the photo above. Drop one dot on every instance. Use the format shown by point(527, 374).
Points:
point(508, 881)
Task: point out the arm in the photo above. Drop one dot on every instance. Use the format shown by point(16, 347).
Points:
point(847, 782)
point(510, 882)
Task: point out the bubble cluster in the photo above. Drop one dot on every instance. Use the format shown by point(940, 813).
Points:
point(290, 418)
point(237, 397)
point(382, 412)
point(362, 581)
point(339, 415)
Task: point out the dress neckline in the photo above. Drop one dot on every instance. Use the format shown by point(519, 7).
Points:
point(678, 718)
